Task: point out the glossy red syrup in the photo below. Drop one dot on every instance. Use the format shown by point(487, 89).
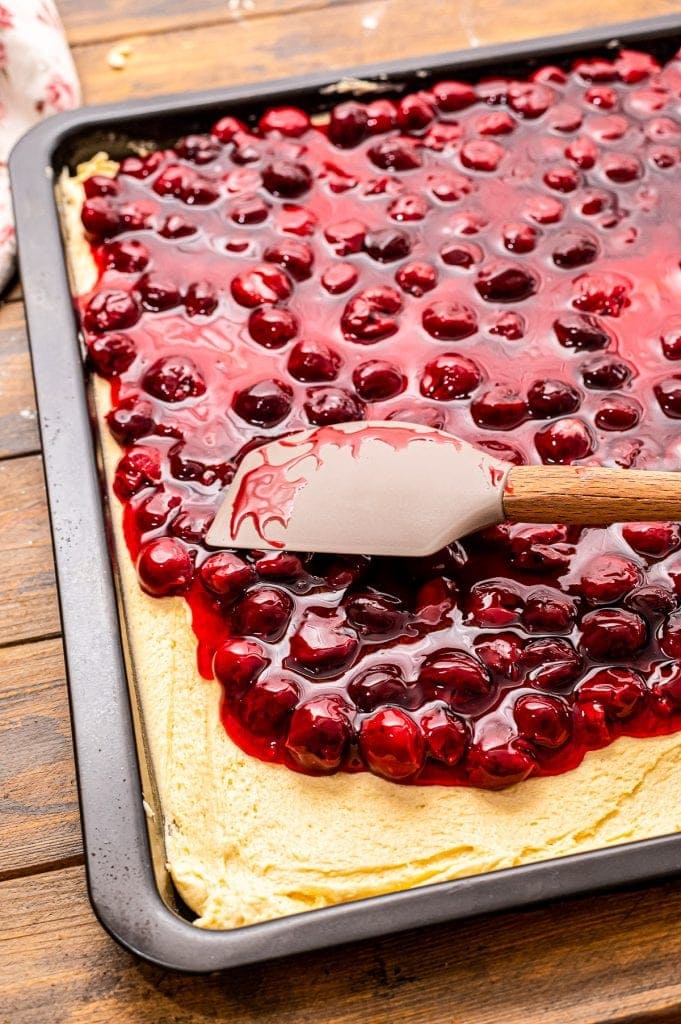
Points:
point(500, 260)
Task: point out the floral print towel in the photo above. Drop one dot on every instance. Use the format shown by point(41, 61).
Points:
point(37, 78)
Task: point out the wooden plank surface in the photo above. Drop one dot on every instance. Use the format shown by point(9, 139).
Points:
point(18, 422)
point(511, 969)
point(28, 597)
point(254, 49)
point(39, 807)
point(604, 959)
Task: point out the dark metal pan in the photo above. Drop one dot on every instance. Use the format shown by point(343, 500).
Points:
point(130, 888)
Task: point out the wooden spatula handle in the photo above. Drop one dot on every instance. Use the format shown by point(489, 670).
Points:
point(590, 496)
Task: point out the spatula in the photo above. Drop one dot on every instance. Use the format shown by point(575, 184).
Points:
point(392, 488)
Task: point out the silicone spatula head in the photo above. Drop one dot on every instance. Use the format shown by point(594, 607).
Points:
point(375, 488)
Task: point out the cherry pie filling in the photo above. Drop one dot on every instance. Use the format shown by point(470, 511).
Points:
point(501, 260)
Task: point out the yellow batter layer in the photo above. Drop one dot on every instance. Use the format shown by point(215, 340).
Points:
point(247, 841)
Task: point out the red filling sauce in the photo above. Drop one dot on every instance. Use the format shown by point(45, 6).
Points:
point(500, 260)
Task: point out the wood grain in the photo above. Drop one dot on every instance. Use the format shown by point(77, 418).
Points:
point(590, 496)
point(28, 596)
point(120, 19)
point(573, 962)
point(18, 421)
point(39, 807)
point(255, 49)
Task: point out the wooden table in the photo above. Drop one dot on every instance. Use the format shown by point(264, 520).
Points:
point(611, 958)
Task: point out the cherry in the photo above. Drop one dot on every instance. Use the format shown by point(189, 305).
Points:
point(619, 690)
point(294, 256)
point(582, 152)
point(280, 565)
point(652, 602)
point(378, 381)
point(451, 96)
point(226, 575)
point(544, 720)
point(264, 612)
point(266, 706)
point(110, 310)
point(348, 124)
point(544, 209)
point(669, 635)
point(191, 464)
point(416, 278)
point(346, 237)
point(381, 116)
point(530, 99)
point(198, 149)
point(449, 321)
point(564, 441)
point(319, 733)
point(520, 238)
point(264, 404)
point(100, 217)
point(547, 611)
point(445, 734)
point(575, 249)
point(655, 540)
point(482, 155)
point(157, 294)
point(131, 419)
point(287, 121)
point(612, 633)
point(668, 394)
point(192, 525)
point(176, 226)
point(617, 413)
point(494, 603)
point(127, 256)
point(313, 362)
point(562, 179)
point(496, 122)
point(141, 166)
point(509, 325)
point(249, 210)
point(408, 207)
point(374, 616)
point(606, 293)
point(506, 282)
point(501, 653)
point(449, 187)
point(608, 578)
point(111, 354)
point(595, 69)
point(321, 646)
point(392, 744)
point(326, 405)
point(395, 154)
point(499, 408)
point(101, 185)
point(456, 678)
point(379, 685)
point(633, 66)
point(156, 510)
point(272, 326)
point(261, 284)
point(605, 374)
point(460, 254)
point(286, 179)
point(665, 683)
point(237, 663)
point(500, 766)
point(549, 398)
point(174, 379)
point(200, 299)
point(671, 340)
point(449, 376)
point(550, 663)
point(388, 245)
point(339, 277)
point(185, 184)
point(415, 112)
point(139, 468)
point(621, 167)
point(164, 567)
point(370, 315)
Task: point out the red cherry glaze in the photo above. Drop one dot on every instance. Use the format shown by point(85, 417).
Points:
point(507, 250)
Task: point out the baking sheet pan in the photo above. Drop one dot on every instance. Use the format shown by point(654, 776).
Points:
point(130, 889)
